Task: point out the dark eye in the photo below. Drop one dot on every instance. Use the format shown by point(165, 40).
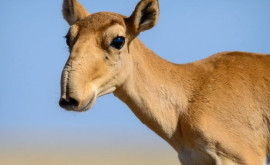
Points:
point(67, 40)
point(118, 42)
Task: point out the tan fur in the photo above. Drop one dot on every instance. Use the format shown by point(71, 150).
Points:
point(213, 111)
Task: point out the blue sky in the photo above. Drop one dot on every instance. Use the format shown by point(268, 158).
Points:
point(33, 53)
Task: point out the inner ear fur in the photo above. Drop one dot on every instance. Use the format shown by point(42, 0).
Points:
point(144, 17)
point(73, 11)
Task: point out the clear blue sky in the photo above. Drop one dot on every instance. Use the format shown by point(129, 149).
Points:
point(33, 53)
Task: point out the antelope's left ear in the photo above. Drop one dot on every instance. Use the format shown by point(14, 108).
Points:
point(73, 11)
point(144, 16)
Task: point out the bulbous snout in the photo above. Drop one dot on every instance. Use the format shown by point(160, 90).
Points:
point(74, 94)
point(74, 98)
point(70, 102)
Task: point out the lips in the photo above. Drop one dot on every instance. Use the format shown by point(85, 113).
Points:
point(88, 105)
point(93, 99)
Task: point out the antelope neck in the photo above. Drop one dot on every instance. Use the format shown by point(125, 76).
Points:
point(155, 92)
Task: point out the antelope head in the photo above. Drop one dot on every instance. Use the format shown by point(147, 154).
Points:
point(100, 60)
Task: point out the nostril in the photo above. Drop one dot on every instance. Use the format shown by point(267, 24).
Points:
point(63, 103)
point(73, 101)
point(68, 102)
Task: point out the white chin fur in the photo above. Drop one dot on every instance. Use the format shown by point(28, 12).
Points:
point(108, 91)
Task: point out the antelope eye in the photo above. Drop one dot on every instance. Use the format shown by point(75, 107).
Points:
point(118, 42)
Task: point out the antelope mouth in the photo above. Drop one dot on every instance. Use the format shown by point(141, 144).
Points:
point(86, 106)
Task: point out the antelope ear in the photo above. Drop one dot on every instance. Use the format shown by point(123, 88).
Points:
point(73, 11)
point(144, 16)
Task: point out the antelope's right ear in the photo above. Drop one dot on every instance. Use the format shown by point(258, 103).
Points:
point(73, 11)
point(144, 17)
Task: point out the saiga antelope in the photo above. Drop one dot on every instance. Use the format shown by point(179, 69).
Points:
point(213, 111)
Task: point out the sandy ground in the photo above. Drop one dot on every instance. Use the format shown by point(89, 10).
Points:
point(98, 158)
